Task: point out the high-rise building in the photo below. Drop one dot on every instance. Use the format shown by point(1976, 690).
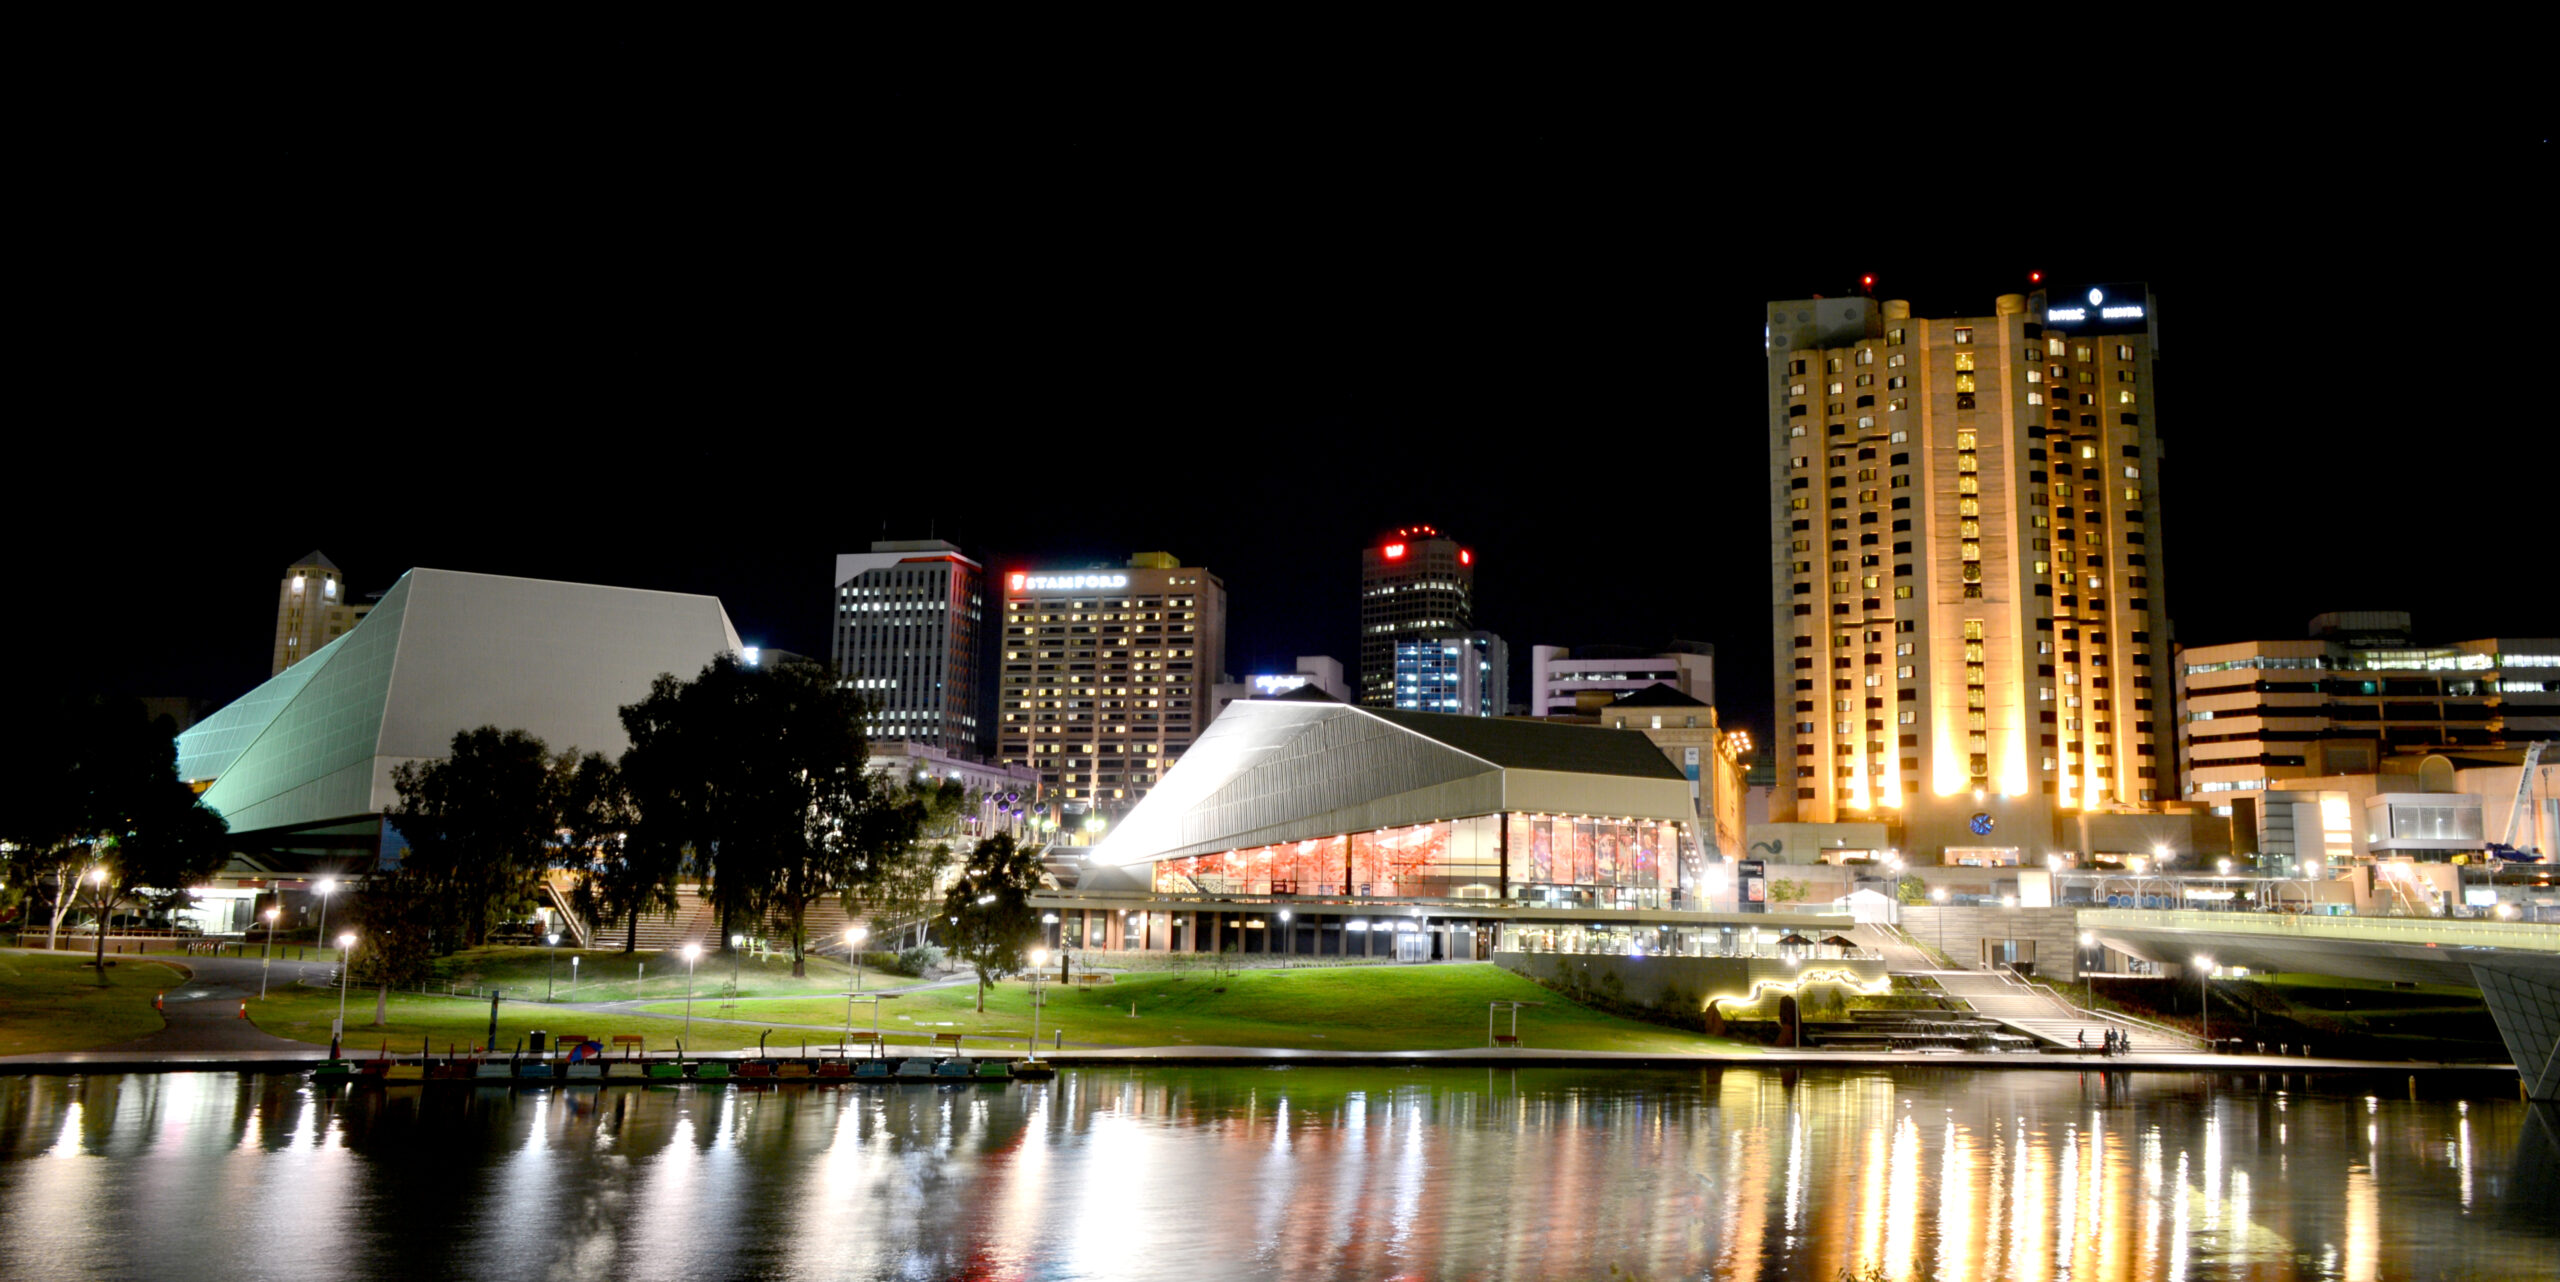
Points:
point(1564, 682)
point(1107, 675)
point(1971, 634)
point(2351, 697)
point(312, 610)
point(1468, 673)
point(1415, 582)
point(909, 638)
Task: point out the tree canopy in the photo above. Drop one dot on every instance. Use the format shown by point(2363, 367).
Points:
point(92, 801)
point(480, 825)
point(988, 909)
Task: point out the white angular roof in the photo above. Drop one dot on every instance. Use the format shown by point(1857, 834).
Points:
point(1273, 770)
point(442, 652)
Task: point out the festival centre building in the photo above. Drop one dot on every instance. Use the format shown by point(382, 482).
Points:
point(1308, 826)
point(301, 767)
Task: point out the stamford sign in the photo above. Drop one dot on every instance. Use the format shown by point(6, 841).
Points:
point(1065, 582)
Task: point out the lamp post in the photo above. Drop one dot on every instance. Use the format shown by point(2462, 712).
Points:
point(327, 884)
point(737, 952)
point(550, 965)
point(853, 937)
point(1039, 962)
point(574, 959)
point(1939, 896)
point(692, 954)
point(267, 955)
point(2204, 987)
point(338, 1029)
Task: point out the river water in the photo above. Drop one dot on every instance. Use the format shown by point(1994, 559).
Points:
point(1287, 1173)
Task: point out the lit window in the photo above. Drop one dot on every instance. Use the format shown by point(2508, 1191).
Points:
point(1964, 334)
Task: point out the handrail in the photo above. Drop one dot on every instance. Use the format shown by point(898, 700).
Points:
point(2458, 932)
point(2132, 1020)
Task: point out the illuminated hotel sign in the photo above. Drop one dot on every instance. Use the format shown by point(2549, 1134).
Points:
point(1268, 684)
point(2125, 306)
point(1064, 582)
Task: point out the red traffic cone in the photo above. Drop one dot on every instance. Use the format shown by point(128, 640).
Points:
point(244, 1010)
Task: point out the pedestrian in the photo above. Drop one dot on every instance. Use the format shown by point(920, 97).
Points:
point(2082, 1037)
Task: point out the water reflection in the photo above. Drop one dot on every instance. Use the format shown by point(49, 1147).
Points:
point(1282, 1173)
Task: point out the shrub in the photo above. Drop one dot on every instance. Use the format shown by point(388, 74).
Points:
point(917, 962)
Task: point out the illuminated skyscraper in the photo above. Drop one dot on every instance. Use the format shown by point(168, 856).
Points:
point(1468, 673)
point(1967, 609)
point(1107, 674)
point(910, 618)
point(1414, 583)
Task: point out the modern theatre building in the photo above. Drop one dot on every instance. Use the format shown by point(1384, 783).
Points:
point(1308, 826)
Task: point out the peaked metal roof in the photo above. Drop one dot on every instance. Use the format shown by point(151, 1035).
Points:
point(442, 652)
point(1273, 770)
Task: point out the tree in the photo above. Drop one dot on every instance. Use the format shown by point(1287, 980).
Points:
point(395, 936)
point(627, 868)
point(480, 824)
point(988, 910)
point(94, 803)
point(758, 774)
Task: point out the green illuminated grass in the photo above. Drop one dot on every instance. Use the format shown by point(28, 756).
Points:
point(606, 975)
point(303, 1014)
point(52, 1002)
point(1348, 1008)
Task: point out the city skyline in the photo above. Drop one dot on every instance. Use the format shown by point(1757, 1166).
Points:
point(1575, 373)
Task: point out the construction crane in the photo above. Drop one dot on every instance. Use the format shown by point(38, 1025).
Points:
point(2505, 847)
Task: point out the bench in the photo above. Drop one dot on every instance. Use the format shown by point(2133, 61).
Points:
point(948, 1040)
point(1506, 1039)
point(630, 1044)
point(852, 1041)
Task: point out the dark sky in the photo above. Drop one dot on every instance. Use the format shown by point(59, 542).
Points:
point(707, 355)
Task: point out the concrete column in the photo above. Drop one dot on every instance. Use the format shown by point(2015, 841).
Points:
point(2527, 1010)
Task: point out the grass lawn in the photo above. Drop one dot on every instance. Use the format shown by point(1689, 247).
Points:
point(609, 975)
point(51, 1002)
point(1361, 1008)
point(303, 1014)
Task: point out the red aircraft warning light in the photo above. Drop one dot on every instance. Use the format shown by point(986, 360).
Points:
point(2035, 278)
point(1866, 282)
point(1466, 557)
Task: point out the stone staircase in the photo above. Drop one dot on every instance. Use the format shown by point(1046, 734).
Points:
point(2049, 1019)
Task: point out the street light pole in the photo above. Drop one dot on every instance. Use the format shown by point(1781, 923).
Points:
point(1039, 962)
point(267, 955)
point(853, 937)
point(321, 931)
point(550, 965)
point(338, 1030)
point(574, 959)
point(2204, 987)
point(737, 952)
point(692, 954)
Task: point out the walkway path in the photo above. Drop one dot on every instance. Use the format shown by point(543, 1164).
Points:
point(2039, 1014)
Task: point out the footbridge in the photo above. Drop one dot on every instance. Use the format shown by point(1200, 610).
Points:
point(2515, 966)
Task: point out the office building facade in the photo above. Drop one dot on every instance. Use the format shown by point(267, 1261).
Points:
point(2350, 698)
point(1970, 626)
point(1106, 675)
point(1323, 672)
point(1414, 582)
point(1466, 673)
point(312, 610)
point(1567, 682)
point(909, 638)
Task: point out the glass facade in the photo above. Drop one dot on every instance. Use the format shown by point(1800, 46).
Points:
point(1553, 860)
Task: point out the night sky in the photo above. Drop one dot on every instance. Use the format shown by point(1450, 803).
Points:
point(664, 354)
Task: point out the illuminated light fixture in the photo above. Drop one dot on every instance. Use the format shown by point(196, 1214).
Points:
point(1394, 551)
point(1866, 282)
point(1759, 987)
point(1466, 557)
point(2035, 278)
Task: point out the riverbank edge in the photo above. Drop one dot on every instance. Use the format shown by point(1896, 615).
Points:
point(99, 1062)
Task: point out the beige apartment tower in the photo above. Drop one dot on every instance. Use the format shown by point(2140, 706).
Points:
point(1106, 676)
point(1971, 635)
point(312, 610)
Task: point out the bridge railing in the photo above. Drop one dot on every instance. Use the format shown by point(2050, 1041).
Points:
point(2418, 930)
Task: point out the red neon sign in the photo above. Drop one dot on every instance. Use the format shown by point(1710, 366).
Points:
point(1466, 557)
point(1013, 581)
point(1394, 551)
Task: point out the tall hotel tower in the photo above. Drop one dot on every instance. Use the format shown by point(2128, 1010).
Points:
point(910, 623)
point(1414, 583)
point(1107, 674)
point(1971, 637)
point(312, 610)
